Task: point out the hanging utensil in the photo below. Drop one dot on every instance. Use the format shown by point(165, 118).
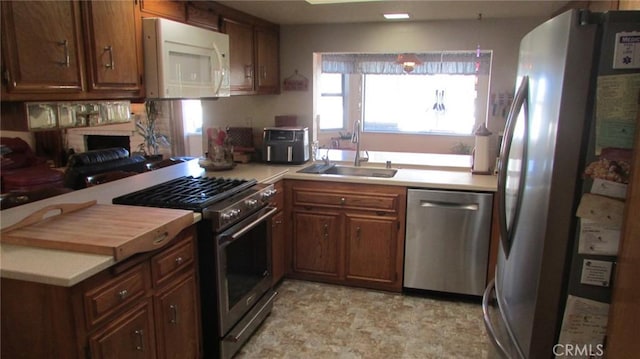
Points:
point(442, 108)
point(435, 105)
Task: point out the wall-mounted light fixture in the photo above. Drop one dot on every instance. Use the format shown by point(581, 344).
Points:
point(408, 61)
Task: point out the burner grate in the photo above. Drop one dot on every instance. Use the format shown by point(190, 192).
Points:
point(194, 193)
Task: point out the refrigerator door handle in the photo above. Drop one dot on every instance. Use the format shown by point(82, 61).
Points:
point(520, 102)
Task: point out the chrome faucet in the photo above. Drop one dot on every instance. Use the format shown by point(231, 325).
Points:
point(355, 138)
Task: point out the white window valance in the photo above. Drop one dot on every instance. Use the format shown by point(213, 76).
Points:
point(432, 63)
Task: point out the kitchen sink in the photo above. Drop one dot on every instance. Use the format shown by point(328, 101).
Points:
point(333, 169)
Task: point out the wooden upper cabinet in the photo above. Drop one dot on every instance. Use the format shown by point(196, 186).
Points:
point(203, 14)
point(42, 47)
point(168, 9)
point(267, 55)
point(114, 51)
point(71, 50)
point(240, 56)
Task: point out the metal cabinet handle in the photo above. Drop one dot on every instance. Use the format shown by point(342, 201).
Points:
point(123, 294)
point(248, 71)
point(109, 49)
point(140, 334)
point(343, 200)
point(179, 260)
point(174, 314)
point(326, 230)
point(358, 233)
point(66, 61)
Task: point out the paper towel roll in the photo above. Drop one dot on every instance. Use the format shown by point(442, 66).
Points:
point(481, 156)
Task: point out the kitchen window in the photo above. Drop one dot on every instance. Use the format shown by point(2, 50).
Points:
point(434, 104)
point(332, 102)
point(444, 93)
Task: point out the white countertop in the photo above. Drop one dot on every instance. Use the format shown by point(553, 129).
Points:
point(68, 268)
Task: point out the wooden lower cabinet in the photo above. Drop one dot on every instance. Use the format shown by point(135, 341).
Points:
point(118, 313)
point(277, 247)
point(345, 233)
point(371, 249)
point(129, 336)
point(316, 243)
point(177, 320)
point(278, 235)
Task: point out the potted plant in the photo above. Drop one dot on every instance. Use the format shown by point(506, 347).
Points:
point(147, 128)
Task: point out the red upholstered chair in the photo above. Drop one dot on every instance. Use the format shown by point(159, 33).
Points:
point(22, 171)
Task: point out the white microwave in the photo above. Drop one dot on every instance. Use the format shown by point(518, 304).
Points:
point(184, 61)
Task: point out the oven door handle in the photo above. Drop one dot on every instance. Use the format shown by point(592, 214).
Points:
point(225, 238)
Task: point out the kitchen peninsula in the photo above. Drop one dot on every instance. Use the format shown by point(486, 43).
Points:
point(66, 268)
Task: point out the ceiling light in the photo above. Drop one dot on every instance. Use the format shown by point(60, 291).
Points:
point(396, 16)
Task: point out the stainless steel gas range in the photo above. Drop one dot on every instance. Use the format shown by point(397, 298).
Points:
point(234, 250)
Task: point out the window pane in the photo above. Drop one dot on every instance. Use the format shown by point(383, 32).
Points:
point(192, 116)
point(331, 102)
point(420, 103)
point(331, 84)
point(331, 112)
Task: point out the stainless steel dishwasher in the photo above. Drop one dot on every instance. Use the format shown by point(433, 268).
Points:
point(447, 241)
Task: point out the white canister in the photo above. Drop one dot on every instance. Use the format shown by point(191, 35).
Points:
point(481, 156)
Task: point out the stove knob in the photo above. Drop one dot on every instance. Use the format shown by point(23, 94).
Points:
point(225, 217)
point(266, 195)
point(235, 213)
point(251, 203)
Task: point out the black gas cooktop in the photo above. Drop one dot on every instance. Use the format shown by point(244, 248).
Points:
point(192, 193)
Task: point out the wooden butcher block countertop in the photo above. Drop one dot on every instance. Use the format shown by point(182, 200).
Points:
point(116, 230)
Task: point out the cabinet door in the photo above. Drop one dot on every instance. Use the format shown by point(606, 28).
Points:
point(128, 336)
point(240, 56)
point(371, 248)
point(177, 320)
point(267, 54)
point(203, 14)
point(114, 46)
point(316, 244)
point(41, 46)
point(168, 9)
point(278, 247)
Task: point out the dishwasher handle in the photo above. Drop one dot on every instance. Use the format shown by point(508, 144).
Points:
point(449, 205)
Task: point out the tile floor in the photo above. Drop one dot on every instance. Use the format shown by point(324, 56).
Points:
point(313, 320)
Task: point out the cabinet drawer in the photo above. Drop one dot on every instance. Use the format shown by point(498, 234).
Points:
point(115, 294)
point(172, 261)
point(382, 202)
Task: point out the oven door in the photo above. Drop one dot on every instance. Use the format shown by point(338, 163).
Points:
point(244, 266)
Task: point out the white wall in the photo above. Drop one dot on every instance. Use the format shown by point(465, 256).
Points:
point(298, 43)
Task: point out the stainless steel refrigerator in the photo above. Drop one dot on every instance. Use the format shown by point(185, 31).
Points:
point(549, 137)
